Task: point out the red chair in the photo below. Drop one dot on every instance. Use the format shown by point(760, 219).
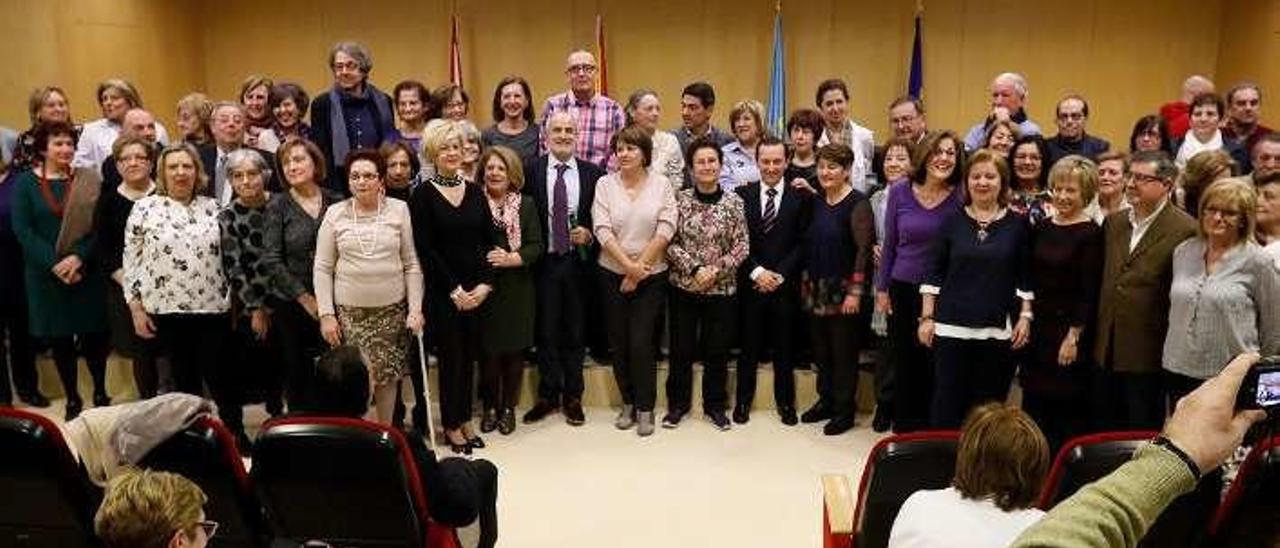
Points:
point(1250, 513)
point(206, 454)
point(47, 500)
point(344, 481)
point(896, 467)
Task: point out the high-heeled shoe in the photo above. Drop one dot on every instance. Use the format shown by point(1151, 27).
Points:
point(475, 442)
point(463, 448)
point(100, 399)
point(73, 408)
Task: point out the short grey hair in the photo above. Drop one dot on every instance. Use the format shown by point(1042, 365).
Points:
point(1019, 82)
point(355, 51)
point(241, 156)
point(219, 105)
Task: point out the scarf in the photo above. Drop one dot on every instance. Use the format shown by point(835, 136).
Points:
point(338, 123)
point(1192, 146)
point(506, 216)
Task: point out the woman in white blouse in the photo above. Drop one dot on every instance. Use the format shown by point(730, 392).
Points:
point(643, 110)
point(367, 278)
point(173, 278)
point(116, 97)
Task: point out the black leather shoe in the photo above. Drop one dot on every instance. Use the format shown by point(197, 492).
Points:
point(838, 425)
point(573, 413)
point(34, 399)
point(489, 422)
point(817, 413)
point(788, 415)
point(475, 443)
point(741, 414)
point(73, 408)
point(463, 448)
point(539, 411)
point(101, 399)
point(882, 421)
point(507, 421)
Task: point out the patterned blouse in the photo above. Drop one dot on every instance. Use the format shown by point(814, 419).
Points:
point(243, 253)
point(172, 259)
point(711, 230)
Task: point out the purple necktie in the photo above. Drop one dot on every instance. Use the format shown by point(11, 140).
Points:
point(560, 213)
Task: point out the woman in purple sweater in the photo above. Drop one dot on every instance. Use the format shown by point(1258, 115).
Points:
point(913, 215)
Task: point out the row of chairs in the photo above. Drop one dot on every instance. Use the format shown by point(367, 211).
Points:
point(901, 465)
point(343, 481)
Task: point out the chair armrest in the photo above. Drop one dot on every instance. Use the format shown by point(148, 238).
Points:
point(837, 512)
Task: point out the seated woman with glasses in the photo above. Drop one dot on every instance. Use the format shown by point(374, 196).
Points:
point(150, 508)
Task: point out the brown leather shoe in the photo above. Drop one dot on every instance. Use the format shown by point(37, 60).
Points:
point(573, 413)
point(539, 411)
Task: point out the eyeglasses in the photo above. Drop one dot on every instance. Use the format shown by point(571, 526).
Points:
point(1144, 178)
point(1225, 214)
point(363, 176)
point(350, 66)
point(583, 68)
point(1071, 116)
point(210, 527)
point(899, 120)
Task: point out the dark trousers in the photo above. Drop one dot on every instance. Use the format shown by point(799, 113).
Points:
point(298, 343)
point(66, 352)
point(260, 374)
point(16, 352)
point(768, 325)
point(196, 346)
point(1060, 416)
point(912, 362)
point(458, 336)
point(701, 326)
point(563, 292)
point(968, 373)
point(1127, 401)
point(500, 378)
point(630, 318)
point(1176, 385)
point(837, 340)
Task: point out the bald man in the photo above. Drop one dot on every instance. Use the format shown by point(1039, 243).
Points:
point(136, 122)
point(1008, 101)
point(1177, 114)
point(597, 117)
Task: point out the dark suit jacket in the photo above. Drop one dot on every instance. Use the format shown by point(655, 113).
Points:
point(780, 250)
point(209, 157)
point(1133, 305)
point(535, 185)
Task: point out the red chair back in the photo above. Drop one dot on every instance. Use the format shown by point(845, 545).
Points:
point(1250, 513)
point(47, 500)
point(1085, 459)
point(897, 467)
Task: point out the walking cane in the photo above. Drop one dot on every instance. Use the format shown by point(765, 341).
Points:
point(426, 393)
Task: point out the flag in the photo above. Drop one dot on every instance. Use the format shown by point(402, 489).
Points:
point(455, 56)
point(776, 117)
point(602, 75)
point(915, 82)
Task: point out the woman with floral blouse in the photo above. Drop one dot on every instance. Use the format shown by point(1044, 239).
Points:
point(709, 244)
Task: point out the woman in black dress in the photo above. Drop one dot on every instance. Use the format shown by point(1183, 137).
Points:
point(454, 232)
point(1066, 264)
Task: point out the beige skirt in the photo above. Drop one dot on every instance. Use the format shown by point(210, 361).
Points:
point(381, 336)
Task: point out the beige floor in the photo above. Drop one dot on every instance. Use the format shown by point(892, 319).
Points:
point(756, 485)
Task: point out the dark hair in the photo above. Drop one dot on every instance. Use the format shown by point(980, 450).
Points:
point(339, 385)
point(704, 142)
point(1147, 123)
point(1231, 93)
point(770, 140)
point(321, 169)
point(1057, 108)
point(836, 153)
point(806, 118)
point(1165, 169)
point(290, 90)
point(1001, 455)
point(414, 85)
point(635, 136)
point(904, 99)
point(498, 114)
point(921, 154)
point(370, 155)
point(828, 85)
point(896, 142)
point(1272, 138)
point(46, 131)
point(703, 91)
point(441, 96)
point(988, 156)
point(391, 147)
point(1209, 99)
point(1038, 141)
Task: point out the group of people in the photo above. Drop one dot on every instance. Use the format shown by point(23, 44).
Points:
point(232, 255)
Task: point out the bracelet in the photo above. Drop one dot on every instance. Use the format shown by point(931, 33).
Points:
point(1166, 443)
point(928, 318)
point(1027, 314)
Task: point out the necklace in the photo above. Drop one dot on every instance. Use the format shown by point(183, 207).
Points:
point(447, 182)
point(983, 224)
point(366, 234)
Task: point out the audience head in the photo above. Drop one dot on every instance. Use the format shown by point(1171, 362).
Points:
point(697, 101)
point(1195, 85)
point(937, 158)
point(1072, 113)
point(562, 135)
point(1113, 169)
point(402, 163)
point(804, 127)
point(301, 162)
point(704, 159)
point(180, 173)
point(747, 120)
point(503, 172)
point(986, 179)
point(1073, 183)
point(255, 95)
point(1266, 156)
point(288, 104)
point(153, 509)
point(194, 113)
point(1201, 170)
point(906, 118)
point(643, 109)
point(116, 96)
point(1206, 112)
point(1150, 134)
point(365, 175)
point(450, 102)
point(227, 122)
point(1001, 136)
point(1001, 456)
point(1268, 208)
point(895, 163)
point(1244, 103)
point(1027, 163)
point(1151, 177)
point(442, 146)
point(411, 97)
point(832, 99)
point(1009, 91)
point(513, 99)
point(351, 64)
point(55, 143)
point(633, 147)
point(834, 162)
point(48, 104)
point(340, 385)
point(771, 159)
point(580, 70)
point(134, 157)
point(1229, 211)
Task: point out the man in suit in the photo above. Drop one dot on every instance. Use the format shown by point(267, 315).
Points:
point(1133, 306)
point(563, 187)
point(777, 217)
point(139, 123)
point(227, 123)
